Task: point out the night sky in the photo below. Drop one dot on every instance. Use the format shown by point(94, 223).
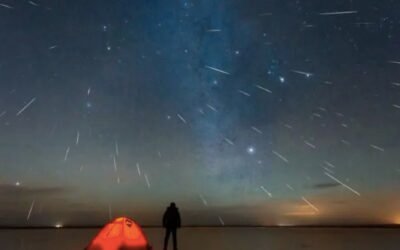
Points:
point(242, 112)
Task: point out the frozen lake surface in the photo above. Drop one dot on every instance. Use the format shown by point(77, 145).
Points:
point(219, 238)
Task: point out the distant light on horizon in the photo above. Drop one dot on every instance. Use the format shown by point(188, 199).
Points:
point(58, 225)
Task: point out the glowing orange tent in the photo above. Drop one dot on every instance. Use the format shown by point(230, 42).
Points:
point(120, 234)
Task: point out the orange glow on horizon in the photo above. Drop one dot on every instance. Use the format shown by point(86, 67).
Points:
point(397, 220)
point(305, 213)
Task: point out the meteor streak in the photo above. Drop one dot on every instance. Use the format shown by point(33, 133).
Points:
point(341, 183)
point(26, 106)
point(338, 13)
point(217, 70)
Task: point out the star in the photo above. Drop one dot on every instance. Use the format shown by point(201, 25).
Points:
point(251, 150)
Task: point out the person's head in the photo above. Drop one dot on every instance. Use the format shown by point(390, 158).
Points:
point(172, 204)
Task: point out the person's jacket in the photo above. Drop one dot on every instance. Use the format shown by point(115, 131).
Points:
point(171, 218)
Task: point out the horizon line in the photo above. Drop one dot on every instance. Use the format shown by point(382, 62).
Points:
point(393, 226)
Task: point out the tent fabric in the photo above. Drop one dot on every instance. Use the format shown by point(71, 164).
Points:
point(120, 234)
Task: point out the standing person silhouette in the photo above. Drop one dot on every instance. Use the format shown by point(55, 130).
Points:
point(171, 222)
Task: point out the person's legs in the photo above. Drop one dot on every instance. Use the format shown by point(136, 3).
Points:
point(174, 239)
point(167, 232)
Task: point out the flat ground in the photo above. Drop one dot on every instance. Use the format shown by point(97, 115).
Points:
point(219, 239)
